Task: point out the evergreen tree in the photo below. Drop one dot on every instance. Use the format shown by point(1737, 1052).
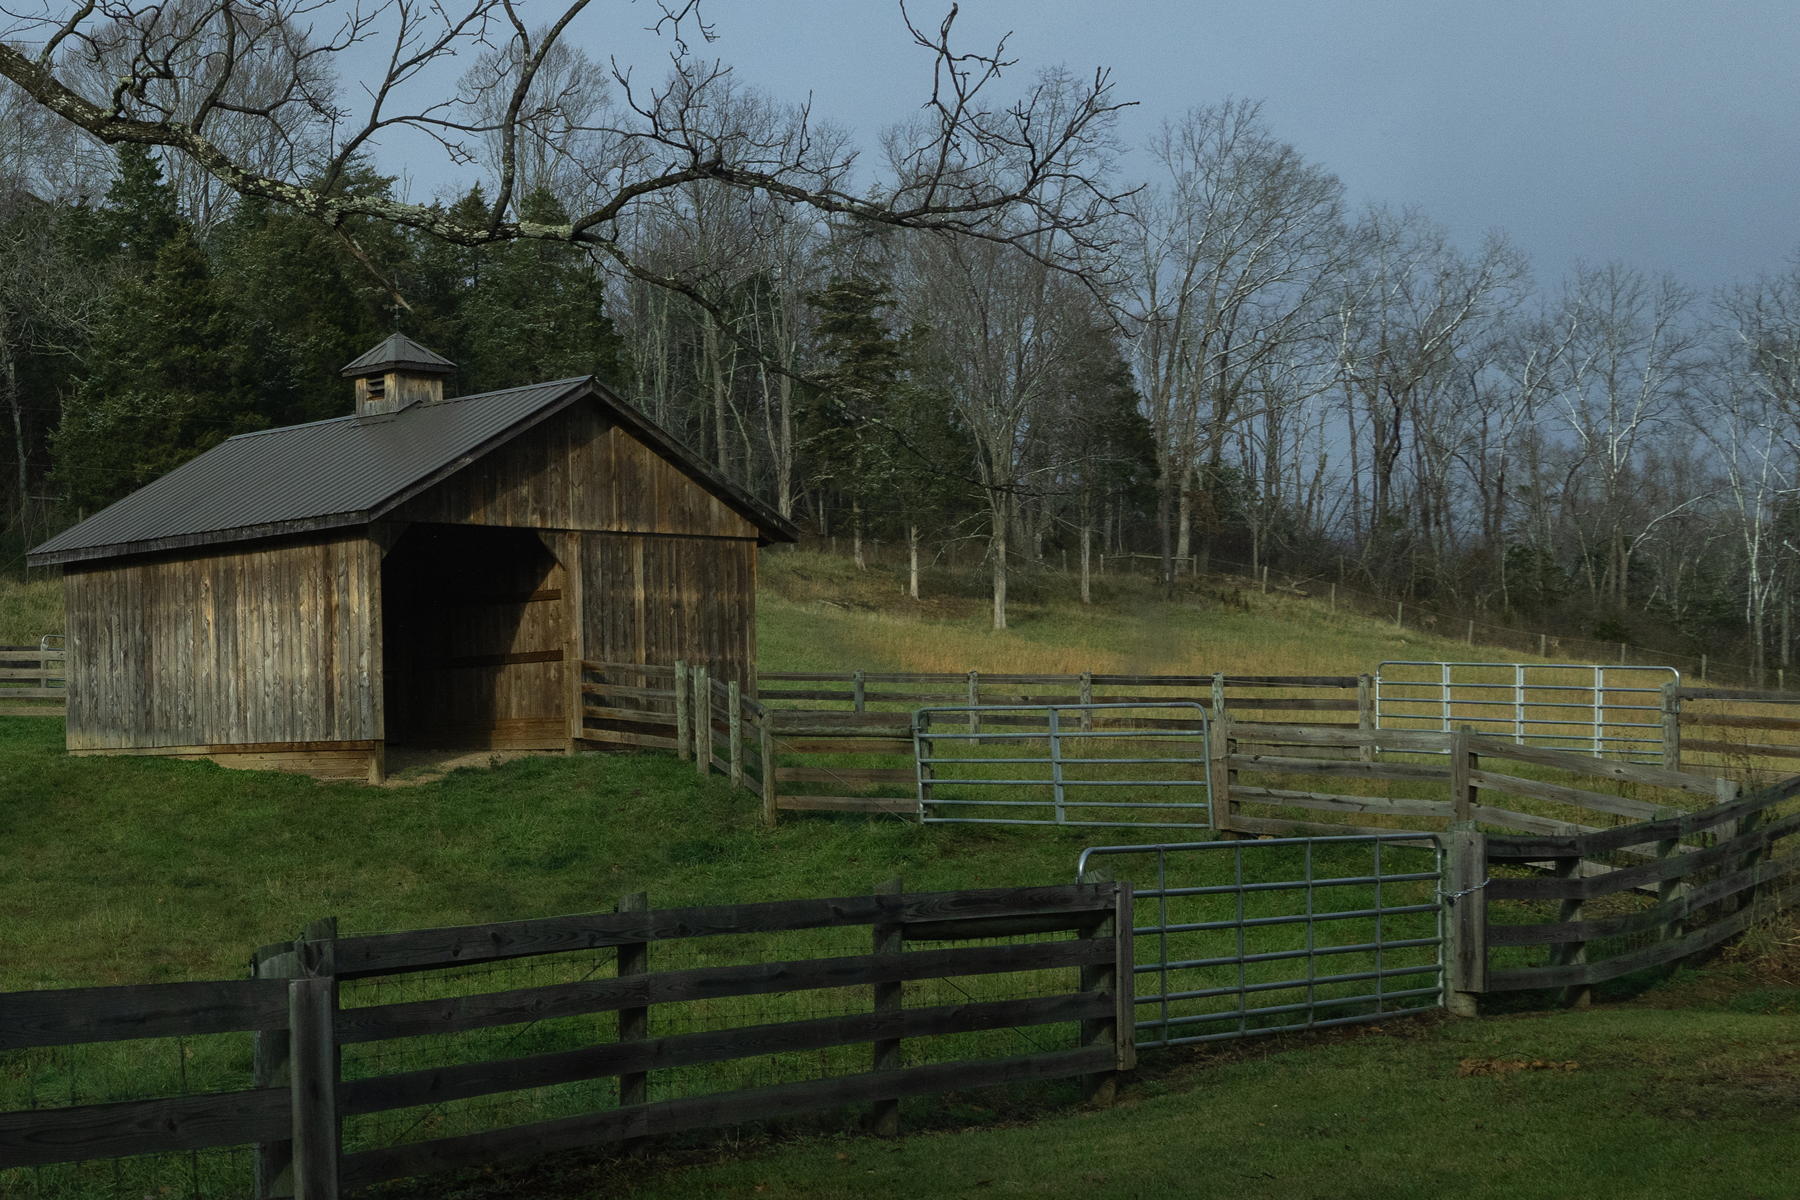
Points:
point(167, 382)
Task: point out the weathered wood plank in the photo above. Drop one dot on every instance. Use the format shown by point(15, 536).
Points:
point(442, 1084)
point(1580, 974)
point(1516, 849)
point(1398, 772)
point(788, 745)
point(1738, 749)
point(422, 949)
point(846, 775)
point(1704, 693)
point(669, 1116)
point(1333, 802)
point(1556, 793)
point(68, 1016)
point(622, 738)
point(460, 1013)
point(871, 804)
point(1672, 867)
point(41, 1136)
point(1722, 721)
point(1605, 768)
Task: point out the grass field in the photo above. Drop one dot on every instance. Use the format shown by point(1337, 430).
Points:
point(133, 870)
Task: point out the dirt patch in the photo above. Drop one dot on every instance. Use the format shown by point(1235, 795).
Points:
point(409, 768)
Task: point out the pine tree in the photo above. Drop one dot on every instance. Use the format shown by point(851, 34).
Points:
point(167, 381)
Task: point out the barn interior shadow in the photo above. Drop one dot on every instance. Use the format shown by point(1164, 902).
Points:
point(472, 625)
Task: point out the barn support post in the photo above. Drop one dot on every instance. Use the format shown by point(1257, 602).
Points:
point(702, 721)
point(734, 699)
point(682, 737)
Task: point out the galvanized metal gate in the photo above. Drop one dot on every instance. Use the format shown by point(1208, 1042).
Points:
point(1239, 938)
point(1100, 764)
point(1565, 706)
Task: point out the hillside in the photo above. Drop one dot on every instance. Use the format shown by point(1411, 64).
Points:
point(817, 612)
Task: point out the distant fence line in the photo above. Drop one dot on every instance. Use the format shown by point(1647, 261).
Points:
point(1427, 618)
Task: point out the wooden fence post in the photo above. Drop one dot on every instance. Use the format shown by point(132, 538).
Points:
point(1465, 875)
point(1571, 953)
point(1087, 697)
point(271, 1058)
point(765, 726)
point(974, 699)
point(1671, 726)
point(1222, 777)
point(682, 736)
point(890, 938)
point(1670, 888)
point(1365, 717)
point(857, 684)
point(1462, 762)
point(313, 1079)
point(634, 1023)
point(702, 722)
point(1115, 980)
point(1218, 694)
point(734, 700)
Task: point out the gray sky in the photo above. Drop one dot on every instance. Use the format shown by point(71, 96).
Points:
point(1662, 134)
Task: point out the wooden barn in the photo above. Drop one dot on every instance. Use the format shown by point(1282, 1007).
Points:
point(425, 572)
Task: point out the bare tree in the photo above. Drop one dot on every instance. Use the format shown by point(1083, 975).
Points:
point(209, 79)
point(1231, 249)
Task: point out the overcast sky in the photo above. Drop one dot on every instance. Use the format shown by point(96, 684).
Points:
point(1658, 133)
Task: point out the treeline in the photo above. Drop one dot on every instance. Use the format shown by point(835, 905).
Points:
point(1244, 370)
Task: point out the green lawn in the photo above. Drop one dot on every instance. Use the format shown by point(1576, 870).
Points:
point(134, 870)
point(1660, 1104)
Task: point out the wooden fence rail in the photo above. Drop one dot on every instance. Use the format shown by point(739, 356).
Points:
point(33, 673)
point(1721, 716)
point(1284, 753)
point(1704, 895)
point(296, 1120)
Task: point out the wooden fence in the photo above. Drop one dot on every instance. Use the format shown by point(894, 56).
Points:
point(35, 674)
point(1737, 734)
point(295, 1113)
point(1285, 759)
point(1703, 895)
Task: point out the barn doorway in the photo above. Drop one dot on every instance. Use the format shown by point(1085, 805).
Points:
point(472, 622)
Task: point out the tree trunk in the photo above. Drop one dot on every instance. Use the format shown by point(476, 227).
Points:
point(997, 552)
point(856, 532)
point(1165, 520)
point(1087, 537)
point(710, 335)
point(912, 554)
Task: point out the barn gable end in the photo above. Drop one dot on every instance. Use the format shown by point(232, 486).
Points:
point(578, 470)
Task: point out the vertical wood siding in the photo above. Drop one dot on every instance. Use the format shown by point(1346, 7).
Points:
point(256, 646)
point(577, 470)
point(661, 599)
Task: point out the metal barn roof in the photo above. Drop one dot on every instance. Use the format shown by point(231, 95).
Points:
point(348, 471)
point(398, 351)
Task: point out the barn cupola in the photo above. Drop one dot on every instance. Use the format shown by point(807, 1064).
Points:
point(396, 374)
